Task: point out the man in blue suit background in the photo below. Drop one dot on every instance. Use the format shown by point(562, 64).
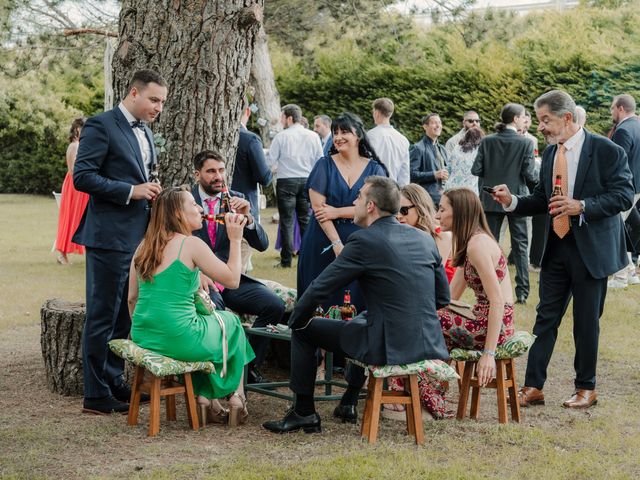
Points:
point(115, 158)
point(584, 240)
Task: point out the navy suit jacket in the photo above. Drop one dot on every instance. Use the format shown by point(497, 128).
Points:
point(627, 135)
point(109, 162)
point(250, 168)
point(503, 157)
point(603, 181)
point(399, 272)
point(424, 164)
point(257, 238)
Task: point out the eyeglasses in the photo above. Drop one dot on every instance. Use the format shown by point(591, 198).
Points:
point(405, 210)
point(473, 120)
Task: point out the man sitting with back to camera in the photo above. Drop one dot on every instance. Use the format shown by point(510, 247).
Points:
point(251, 297)
point(388, 260)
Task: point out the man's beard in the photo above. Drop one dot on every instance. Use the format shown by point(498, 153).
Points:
point(212, 189)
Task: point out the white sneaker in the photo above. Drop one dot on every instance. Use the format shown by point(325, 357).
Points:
point(633, 279)
point(617, 283)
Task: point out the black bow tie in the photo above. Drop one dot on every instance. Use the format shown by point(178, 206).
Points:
point(137, 124)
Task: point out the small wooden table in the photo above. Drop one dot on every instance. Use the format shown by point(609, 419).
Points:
point(270, 388)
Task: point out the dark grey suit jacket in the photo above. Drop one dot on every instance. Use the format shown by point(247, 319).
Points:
point(503, 157)
point(109, 162)
point(627, 135)
point(603, 181)
point(424, 164)
point(250, 168)
point(400, 274)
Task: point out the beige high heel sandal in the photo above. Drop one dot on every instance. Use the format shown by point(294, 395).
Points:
point(207, 414)
point(238, 415)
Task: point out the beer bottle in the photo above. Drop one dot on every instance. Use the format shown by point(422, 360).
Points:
point(347, 310)
point(318, 312)
point(557, 187)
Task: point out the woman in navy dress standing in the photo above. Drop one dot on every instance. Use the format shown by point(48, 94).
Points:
point(333, 185)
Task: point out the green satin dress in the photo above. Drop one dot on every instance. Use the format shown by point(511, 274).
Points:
point(165, 321)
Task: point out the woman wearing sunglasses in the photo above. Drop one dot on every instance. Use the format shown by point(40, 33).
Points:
point(417, 210)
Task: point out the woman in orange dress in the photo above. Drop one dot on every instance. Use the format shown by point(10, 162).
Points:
point(73, 202)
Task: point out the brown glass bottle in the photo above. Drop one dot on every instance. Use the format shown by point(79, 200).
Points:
point(318, 312)
point(347, 310)
point(557, 186)
point(225, 207)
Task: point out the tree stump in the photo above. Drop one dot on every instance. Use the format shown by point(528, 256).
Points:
point(62, 323)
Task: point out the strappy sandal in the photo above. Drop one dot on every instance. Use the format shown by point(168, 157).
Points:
point(208, 414)
point(238, 414)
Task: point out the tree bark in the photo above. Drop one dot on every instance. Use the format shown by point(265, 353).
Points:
point(266, 92)
point(204, 49)
point(62, 323)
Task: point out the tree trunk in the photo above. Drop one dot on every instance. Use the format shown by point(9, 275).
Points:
point(204, 49)
point(62, 323)
point(266, 93)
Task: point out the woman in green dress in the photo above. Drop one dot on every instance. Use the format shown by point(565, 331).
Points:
point(165, 274)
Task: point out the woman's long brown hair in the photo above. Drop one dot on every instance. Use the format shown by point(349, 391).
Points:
point(425, 209)
point(166, 221)
point(468, 219)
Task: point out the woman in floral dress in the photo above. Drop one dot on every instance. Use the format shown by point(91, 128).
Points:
point(483, 268)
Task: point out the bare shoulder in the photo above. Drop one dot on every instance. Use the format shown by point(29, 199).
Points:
point(481, 244)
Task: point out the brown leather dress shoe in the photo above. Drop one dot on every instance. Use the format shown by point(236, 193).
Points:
point(530, 396)
point(582, 399)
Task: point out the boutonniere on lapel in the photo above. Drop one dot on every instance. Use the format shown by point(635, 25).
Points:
point(159, 142)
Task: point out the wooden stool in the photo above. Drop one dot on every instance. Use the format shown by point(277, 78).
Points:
point(161, 381)
point(505, 381)
point(376, 396)
point(158, 387)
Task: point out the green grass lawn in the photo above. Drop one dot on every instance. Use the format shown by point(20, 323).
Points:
point(44, 435)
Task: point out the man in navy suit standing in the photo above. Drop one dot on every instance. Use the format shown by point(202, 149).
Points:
point(251, 297)
point(115, 159)
point(584, 240)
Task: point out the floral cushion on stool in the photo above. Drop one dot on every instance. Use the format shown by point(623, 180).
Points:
point(157, 364)
point(436, 369)
point(514, 347)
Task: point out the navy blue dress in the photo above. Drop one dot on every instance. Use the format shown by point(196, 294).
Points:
point(325, 179)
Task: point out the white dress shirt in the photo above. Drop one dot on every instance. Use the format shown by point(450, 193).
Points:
point(294, 151)
point(574, 149)
point(392, 149)
point(204, 196)
point(143, 142)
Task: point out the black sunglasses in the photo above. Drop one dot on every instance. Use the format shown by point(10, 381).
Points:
point(405, 210)
point(473, 120)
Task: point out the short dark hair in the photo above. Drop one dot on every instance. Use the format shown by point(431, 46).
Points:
point(293, 111)
point(626, 101)
point(427, 118)
point(142, 78)
point(384, 106)
point(204, 155)
point(508, 114)
point(384, 192)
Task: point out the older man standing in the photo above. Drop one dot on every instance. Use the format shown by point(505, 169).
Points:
point(585, 240)
point(293, 152)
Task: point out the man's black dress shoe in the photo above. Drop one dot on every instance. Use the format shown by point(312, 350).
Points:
point(292, 422)
point(522, 300)
point(254, 376)
point(122, 392)
point(347, 413)
point(104, 406)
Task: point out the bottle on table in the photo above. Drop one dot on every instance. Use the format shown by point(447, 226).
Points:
point(347, 310)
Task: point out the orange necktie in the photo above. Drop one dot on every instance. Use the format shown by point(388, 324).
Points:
point(561, 225)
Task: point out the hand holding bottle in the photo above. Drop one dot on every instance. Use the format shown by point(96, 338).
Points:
point(235, 225)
